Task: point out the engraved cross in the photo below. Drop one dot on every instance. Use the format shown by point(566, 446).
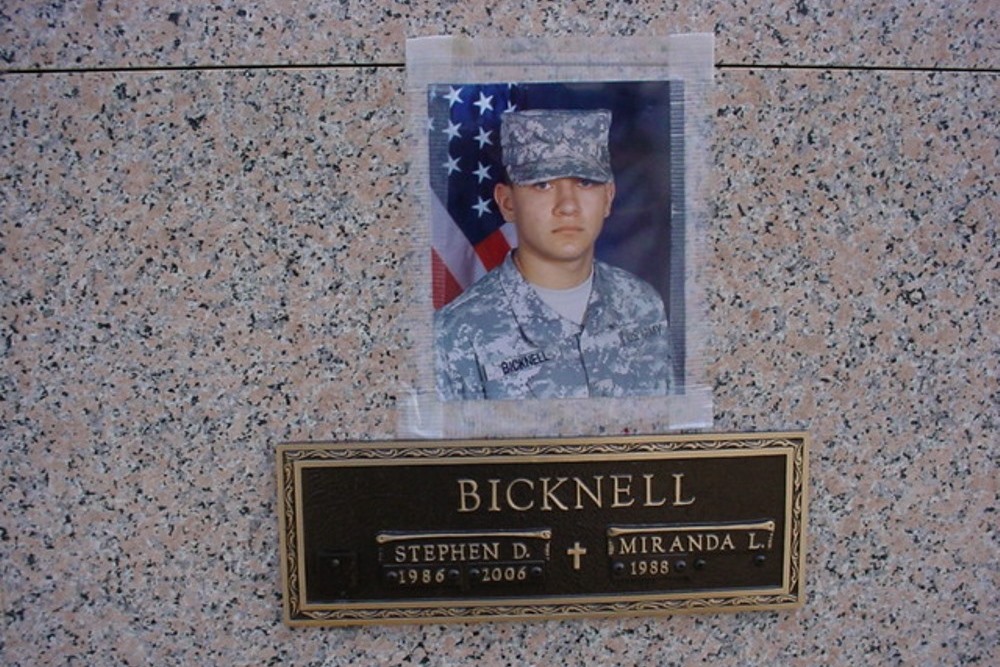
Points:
point(576, 552)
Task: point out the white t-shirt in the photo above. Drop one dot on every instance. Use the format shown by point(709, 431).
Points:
point(569, 303)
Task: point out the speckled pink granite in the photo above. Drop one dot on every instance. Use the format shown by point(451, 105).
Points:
point(197, 265)
point(154, 33)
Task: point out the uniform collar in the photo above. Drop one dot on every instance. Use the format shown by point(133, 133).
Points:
point(539, 323)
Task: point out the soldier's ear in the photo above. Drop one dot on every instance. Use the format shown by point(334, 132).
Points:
point(610, 189)
point(504, 196)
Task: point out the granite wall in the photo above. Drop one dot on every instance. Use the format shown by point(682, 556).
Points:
point(203, 214)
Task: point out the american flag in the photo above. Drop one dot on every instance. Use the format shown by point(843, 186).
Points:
point(468, 235)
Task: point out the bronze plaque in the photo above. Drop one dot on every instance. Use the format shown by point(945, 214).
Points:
point(430, 531)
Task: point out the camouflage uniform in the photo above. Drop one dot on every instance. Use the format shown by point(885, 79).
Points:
point(499, 340)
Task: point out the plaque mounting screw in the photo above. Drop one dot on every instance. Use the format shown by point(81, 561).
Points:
point(759, 559)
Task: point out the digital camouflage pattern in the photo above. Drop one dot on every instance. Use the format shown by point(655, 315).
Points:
point(546, 144)
point(499, 340)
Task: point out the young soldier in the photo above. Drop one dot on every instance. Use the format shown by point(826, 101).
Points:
point(551, 321)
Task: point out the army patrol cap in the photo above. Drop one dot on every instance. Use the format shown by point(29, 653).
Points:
point(545, 144)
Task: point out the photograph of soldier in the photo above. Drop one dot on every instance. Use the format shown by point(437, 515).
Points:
point(551, 321)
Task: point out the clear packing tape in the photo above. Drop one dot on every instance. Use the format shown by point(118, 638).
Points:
point(659, 149)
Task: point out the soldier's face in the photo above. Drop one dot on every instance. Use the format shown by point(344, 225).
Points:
point(557, 220)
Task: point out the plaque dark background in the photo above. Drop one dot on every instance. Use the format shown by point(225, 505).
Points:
point(343, 508)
